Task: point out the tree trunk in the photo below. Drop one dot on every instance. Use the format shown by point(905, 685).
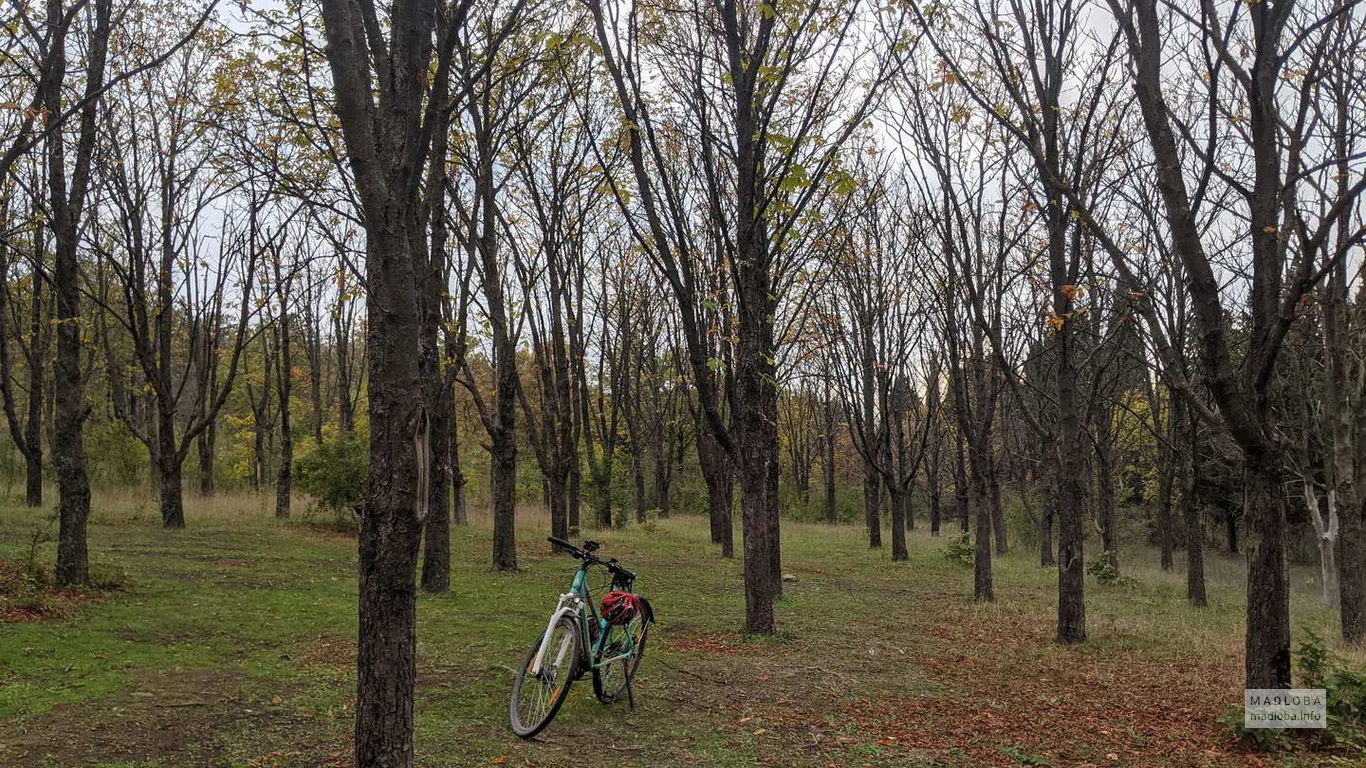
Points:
point(898, 506)
point(169, 471)
point(1326, 536)
point(436, 539)
point(755, 508)
point(638, 475)
point(284, 475)
point(1046, 559)
point(390, 524)
point(1071, 490)
point(998, 517)
point(436, 546)
point(663, 475)
point(1183, 455)
point(828, 446)
point(258, 447)
point(935, 513)
point(33, 480)
point(756, 409)
point(602, 483)
point(575, 492)
point(73, 485)
point(1352, 573)
point(461, 511)
point(1105, 483)
point(33, 428)
point(1164, 511)
point(960, 483)
point(315, 374)
point(1166, 476)
point(719, 478)
point(1268, 588)
point(775, 565)
point(341, 334)
point(206, 445)
point(872, 500)
point(386, 144)
point(981, 508)
point(503, 476)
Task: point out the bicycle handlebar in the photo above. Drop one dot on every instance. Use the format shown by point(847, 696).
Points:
point(582, 554)
point(562, 543)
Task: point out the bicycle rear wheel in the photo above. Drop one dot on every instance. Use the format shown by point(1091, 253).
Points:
point(536, 698)
point(609, 680)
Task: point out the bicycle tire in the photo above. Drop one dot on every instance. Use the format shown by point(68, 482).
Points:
point(604, 680)
point(556, 696)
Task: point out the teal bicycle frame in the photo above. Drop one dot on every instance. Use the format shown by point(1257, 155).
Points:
point(577, 602)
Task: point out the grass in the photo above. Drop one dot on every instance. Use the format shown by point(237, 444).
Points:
point(232, 644)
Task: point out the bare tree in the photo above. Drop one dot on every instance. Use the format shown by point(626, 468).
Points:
point(388, 142)
point(67, 201)
point(765, 159)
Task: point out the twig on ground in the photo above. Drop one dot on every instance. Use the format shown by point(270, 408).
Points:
point(690, 672)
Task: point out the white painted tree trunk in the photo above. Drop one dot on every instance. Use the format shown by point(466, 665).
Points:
point(1326, 534)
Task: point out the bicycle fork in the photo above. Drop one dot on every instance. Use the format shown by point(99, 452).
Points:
point(569, 604)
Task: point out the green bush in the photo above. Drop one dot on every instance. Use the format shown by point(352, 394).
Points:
point(960, 549)
point(333, 474)
point(1346, 689)
point(1103, 568)
point(116, 457)
point(651, 523)
point(1346, 693)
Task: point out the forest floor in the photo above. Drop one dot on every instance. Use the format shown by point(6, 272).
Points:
point(232, 643)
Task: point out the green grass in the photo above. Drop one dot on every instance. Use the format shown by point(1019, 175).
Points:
point(232, 644)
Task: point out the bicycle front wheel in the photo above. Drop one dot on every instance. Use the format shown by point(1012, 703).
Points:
point(537, 696)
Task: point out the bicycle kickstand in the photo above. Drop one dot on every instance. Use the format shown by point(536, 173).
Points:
point(630, 693)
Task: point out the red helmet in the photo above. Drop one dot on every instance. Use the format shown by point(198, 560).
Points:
point(619, 607)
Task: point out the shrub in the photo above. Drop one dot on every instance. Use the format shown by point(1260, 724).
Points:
point(1346, 704)
point(1103, 568)
point(960, 549)
point(1345, 687)
point(651, 523)
point(333, 474)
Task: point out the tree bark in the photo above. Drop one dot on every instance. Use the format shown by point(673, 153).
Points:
point(433, 279)
point(73, 484)
point(719, 478)
point(872, 501)
point(960, 482)
point(33, 427)
point(1168, 435)
point(168, 465)
point(1268, 588)
point(284, 474)
point(1105, 503)
point(1183, 455)
point(387, 144)
point(828, 447)
point(1046, 558)
point(1326, 537)
point(1071, 486)
point(998, 517)
point(898, 508)
point(206, 445)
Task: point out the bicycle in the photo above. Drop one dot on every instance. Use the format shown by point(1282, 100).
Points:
point(578, 640)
